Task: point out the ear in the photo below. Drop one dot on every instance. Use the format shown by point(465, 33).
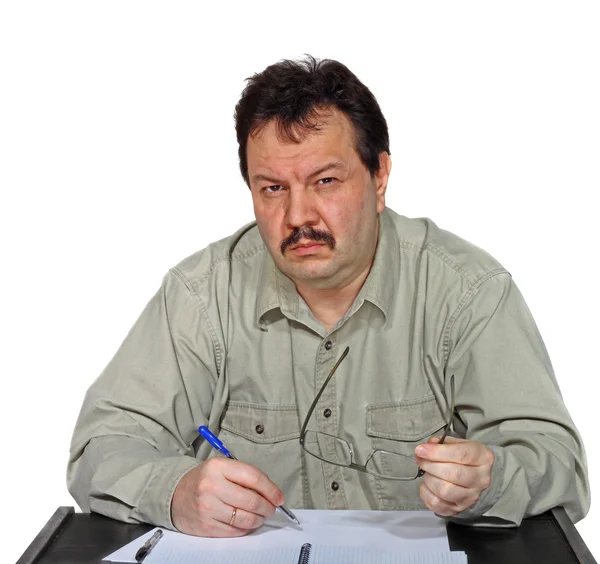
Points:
point(381, 179)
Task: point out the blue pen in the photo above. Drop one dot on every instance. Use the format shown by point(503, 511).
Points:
point(218, 445)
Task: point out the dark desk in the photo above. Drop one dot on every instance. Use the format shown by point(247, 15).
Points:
point(551, 538)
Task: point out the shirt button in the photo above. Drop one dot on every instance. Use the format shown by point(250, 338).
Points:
point(328, 345)
point(259, 429)
point(327, 412)
point(335, 486)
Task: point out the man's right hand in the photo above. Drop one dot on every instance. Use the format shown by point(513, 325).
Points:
point(206, 496)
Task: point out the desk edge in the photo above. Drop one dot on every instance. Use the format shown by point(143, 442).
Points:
point(578, 546)
point(62, 514)
point(46, 535)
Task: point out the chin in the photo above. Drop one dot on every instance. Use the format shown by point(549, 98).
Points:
point(319, 278)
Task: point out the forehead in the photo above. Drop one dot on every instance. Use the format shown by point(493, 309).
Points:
point(332, 137)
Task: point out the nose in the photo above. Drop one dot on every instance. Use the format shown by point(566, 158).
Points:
point(301, 208)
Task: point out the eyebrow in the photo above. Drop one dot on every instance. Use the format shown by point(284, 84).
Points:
point(333, 165)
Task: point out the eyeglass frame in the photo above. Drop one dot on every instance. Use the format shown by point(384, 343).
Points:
point(354, 465)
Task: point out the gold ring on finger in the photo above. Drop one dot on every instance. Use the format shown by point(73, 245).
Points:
point(232, 516)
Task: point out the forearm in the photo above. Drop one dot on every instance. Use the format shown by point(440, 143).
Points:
point(127, 479)
point(134, 437)
point(532, 473)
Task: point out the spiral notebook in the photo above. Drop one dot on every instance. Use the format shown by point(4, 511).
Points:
point(307, 554)
point(331, 537)
point(319, 554)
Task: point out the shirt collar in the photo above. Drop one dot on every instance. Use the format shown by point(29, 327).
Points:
point(381, 285)
point(277, 291)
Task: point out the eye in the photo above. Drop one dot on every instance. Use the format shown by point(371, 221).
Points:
point(326, 181)
point(272, 189)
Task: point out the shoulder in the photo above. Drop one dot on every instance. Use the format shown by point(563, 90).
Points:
point(214, 261)
point(421, 238)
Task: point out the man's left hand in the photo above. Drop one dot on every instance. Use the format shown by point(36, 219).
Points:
point(456, 473)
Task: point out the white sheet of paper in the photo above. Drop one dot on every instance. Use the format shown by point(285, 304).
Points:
point(384, 530)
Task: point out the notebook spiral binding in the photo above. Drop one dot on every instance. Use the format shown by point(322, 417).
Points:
point(305, 553)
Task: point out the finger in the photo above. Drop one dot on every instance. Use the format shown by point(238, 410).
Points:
point(434, 441)
point(213, 522)
point(458, 474)
point(436, 504)
point(468, 453)
point(217, 529)
point(242, 520)
point(252, 478)
point(248, 500)
point(458, 496)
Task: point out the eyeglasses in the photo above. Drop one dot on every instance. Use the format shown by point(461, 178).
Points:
point(381, 463)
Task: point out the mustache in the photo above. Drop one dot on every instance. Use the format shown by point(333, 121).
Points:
point(309, 233)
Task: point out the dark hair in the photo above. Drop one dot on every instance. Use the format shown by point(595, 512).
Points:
point(293, 92)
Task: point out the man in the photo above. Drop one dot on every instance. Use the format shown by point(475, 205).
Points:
point(243, 335)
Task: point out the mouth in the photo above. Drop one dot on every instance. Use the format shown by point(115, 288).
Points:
point(306, 248)
point(306, 240)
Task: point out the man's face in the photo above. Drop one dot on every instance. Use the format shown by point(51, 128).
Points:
point(315, 202)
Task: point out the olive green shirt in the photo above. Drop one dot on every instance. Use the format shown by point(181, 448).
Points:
point(228, 342)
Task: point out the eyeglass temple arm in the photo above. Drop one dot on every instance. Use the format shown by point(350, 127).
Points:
point(450, 415)
point(316, 400)
point(449, 418)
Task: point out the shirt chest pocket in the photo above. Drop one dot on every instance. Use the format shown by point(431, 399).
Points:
point(406, 421)
point(398, 427)
point(261, 424)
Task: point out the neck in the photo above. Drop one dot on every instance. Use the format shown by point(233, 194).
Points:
point(329, 305)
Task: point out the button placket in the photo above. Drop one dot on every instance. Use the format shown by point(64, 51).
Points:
point(325, 413)
point(326, 419)
point(336, 497)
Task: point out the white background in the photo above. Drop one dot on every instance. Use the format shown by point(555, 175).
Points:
point(118, 158)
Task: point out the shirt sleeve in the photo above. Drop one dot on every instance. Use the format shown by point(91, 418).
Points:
point(507, 397)
point(133, 440)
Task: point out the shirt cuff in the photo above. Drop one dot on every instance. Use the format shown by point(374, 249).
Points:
point(155, 502)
